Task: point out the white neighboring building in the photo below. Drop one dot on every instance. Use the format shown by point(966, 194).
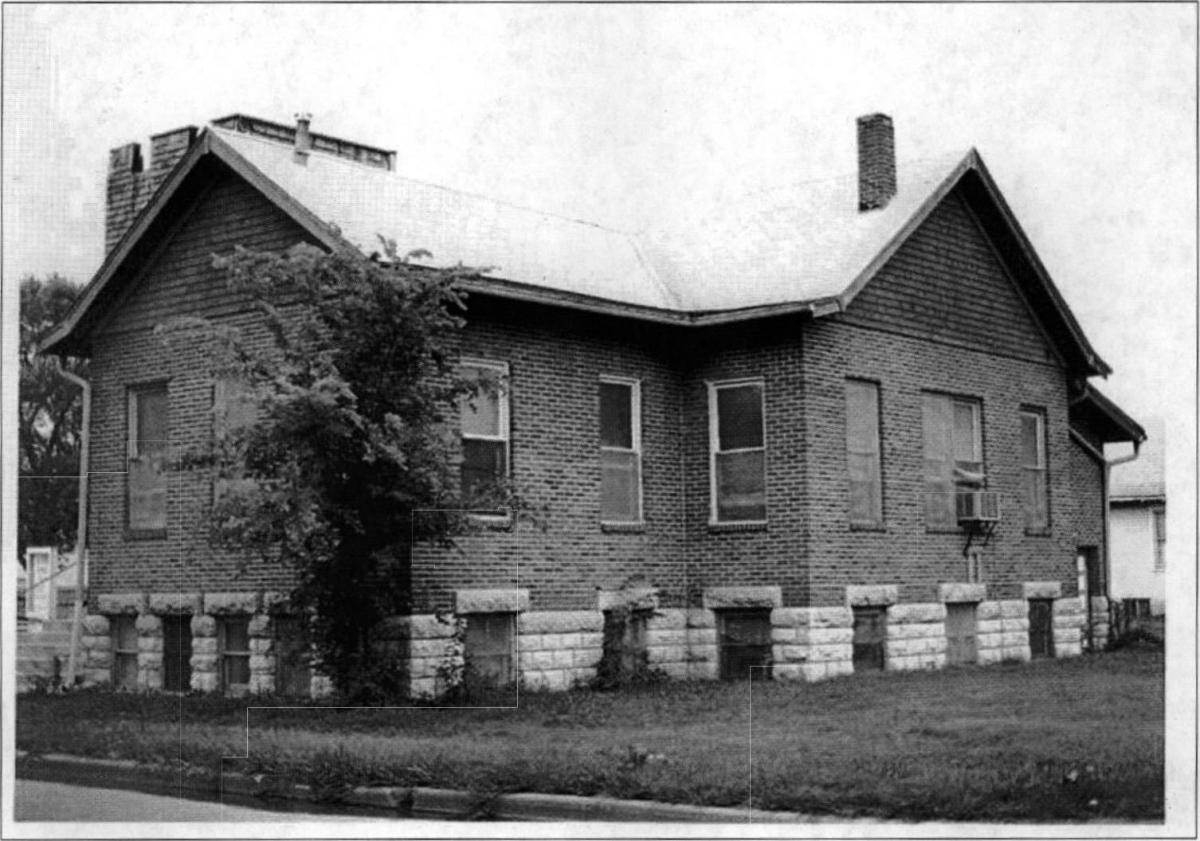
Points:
point(1138, 528)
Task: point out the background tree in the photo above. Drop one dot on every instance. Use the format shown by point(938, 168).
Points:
point(50, 415)
point(349, 460)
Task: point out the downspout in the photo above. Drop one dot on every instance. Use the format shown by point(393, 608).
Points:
point(80, 523)
point(1108, 466)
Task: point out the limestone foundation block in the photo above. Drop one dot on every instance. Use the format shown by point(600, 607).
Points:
point(260, 625)
point(872, 595)
point(916, 613)
point(668, 619)
point(323, 686)
point(677, 671)
point(702, 669)
point(669, 654)
point(674, 636)
point(1014, 609)
point(702, 653)
point(1070, 606)
point(96, 676)
point(784, 635)
point(496, 600)
point(203, 625)
point(235, 603)
point(637, 598)
point(150, 644)
point(699, 617)
point(190, 602)
point(962, 591)
point(262, 683)
point(989, 656)
point(591, 639)
point(787, 671)
point(96, 659)
point(826, 636)
point(560, 621)
point(814, 671)
point(985, 611)
point(789, 617)
point(204, 681)
point(122, 603)
point(149, 679)
point(204, 663)
point(828, 617)
point(586, 658)
point(204, 645)
point(914, 631)
point(790, 653)
point(148, 625)
point(743, 596)
point(1041, 589)
point(830, 653)
point(261, 645)
point(96, 625)
point(261, 663)
point(90, 643)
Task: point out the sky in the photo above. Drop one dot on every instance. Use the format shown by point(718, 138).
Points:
point(640, 116)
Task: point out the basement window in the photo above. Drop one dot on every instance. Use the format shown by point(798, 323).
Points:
point(490, 647)
point(234, 644)
point(125, 652)
point(744, 638)
point(960, 633)
point(870, 636)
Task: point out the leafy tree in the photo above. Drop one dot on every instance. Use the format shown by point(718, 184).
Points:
point(349, 460)
point(50, 415)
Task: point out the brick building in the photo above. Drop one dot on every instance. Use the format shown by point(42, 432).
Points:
point(848, 429)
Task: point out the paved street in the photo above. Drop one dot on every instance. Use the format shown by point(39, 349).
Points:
point(42, 801)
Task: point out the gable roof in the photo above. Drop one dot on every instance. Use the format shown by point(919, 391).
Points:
point(808, 249)
point(1104, 418)
point(1144, 478)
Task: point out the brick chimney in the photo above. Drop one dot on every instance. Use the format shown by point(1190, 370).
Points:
point(130, 186)
point(876, 161)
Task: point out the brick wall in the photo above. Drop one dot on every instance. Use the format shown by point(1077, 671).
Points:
point(556, 358)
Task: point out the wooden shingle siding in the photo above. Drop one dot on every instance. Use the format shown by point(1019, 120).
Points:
point(946, 284)
point(182, 278)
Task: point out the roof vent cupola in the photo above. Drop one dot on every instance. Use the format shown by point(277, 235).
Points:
point(303, 140)
point(876, 161)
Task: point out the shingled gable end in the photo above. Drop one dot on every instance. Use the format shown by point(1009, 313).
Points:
point(860, 438)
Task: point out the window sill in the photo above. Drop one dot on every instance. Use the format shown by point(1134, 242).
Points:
point(145, 534)
point(878, 528)
point(631, 527)
point(752, 525)
point(491, 522)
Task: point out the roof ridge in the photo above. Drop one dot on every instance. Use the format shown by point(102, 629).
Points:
point(335, 159)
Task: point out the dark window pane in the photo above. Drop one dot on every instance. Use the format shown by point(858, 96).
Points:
point(741, 486)
point(124, 633)
point(619, 486)
point(483, 463)
point(125, 669)
point(489, 646)
point(964, 432)
point(1030, 457)
point(870, 634)
point(237, 635)
point(481, 411)
point(862, 453)
point(745, 643)
point(739, 417)
point(960, 633)
point(151, 421)
point(616, 415)
point(177, 653)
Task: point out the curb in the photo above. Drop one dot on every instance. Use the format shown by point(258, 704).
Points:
point(399, 801)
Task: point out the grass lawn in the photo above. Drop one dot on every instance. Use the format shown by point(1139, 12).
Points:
point(1049, 740)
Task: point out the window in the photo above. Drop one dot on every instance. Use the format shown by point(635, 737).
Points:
point(624, 643)
point(293, 669)
point(177, 653)
point(147, 478)
point(1041, 628)
point(64, 602)
point(1034, 495)
point(1160, 539)
point(745, 641)
point(488, 648)
point(953, 456)
point(738, 452)
point(620, 451)
point(125, 652)
point(234, 408)
point(862, 454)
point(870, 638)
point(233, 637)
point(484, 427)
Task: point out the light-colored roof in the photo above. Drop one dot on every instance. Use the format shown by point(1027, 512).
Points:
point(803, 242)
point(518, 244)
point(1144, 477)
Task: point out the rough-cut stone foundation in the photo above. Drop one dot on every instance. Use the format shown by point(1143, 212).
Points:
point(812, 643)
point(150, 651)
point(1070, 618)
point(431, 645)
point(1002, 631)
point(95, 643)
point(262, 654)
point(557, 650)
point(205, 657)
point(916, 636)
point(1100, 625)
